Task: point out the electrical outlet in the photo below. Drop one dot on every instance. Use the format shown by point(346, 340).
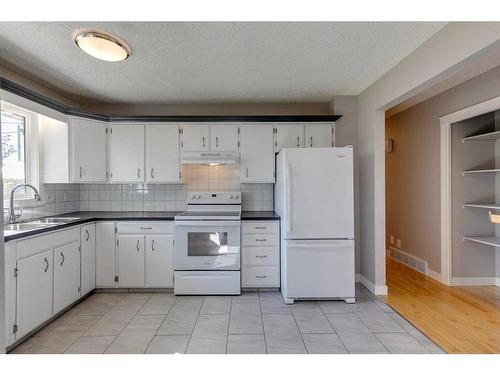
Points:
point(391, 239)
point(398, 243)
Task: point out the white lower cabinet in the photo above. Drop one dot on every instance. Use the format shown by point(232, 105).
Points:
point(87, 258)
point(130, 260)
point(160, 261)
point(260, 254)
point(105, 255)
point(144, 255)
point(66, 275)
point(34, 292)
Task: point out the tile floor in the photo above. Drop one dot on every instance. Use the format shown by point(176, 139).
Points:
point(251, 323)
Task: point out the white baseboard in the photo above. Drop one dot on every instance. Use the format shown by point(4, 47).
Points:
point(475, 281)
point(429, 272)
point(434, 275)
point(379, 290)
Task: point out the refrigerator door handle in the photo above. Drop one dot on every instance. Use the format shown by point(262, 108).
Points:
point(288, 185)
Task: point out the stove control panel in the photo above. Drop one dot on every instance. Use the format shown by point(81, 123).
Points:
point(214, 197)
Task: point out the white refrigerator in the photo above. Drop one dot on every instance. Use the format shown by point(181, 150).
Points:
point(314, 196)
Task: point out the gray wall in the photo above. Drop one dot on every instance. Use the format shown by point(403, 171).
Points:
point(471, 259)
point(413, 170)
point(346, 133)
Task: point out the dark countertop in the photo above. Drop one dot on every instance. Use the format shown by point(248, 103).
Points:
point(89, 216)
point(259, 215)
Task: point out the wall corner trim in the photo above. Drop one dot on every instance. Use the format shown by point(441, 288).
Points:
point(378, 290)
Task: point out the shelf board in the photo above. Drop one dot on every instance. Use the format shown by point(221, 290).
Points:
point(480, 171)
point(490, 206)
point(493, 136)
point(485, 240)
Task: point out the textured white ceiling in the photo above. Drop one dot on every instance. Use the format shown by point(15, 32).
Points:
point(179, 62)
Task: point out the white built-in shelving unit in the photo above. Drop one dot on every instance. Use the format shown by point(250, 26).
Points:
point(485, 240)
point(491, 240)
point(486, 137)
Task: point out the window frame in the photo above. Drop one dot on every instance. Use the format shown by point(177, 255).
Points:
point(31, 155)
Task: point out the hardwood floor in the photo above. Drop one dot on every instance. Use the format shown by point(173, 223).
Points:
point(459, 319)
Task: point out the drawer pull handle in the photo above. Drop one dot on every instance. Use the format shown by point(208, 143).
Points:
point(146, 228)
point(260, 240)
point(261, 256)
point(260, 227)
point(261, 277)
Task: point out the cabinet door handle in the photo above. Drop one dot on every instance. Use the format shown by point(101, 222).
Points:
point(260, 227)
point(138, 172)
point(261, 277)
point(146, 228)
point(246, 173)
point(298, 141)
point(216, 141)
point(137, 246)
point(203, 142)
point(88, 235)
point(261, 256)
point(311, 141)
point(46, 264)
point(260, 240)
point(62, 258)
point(152, 173)
point(81, 172)
point(152, 245)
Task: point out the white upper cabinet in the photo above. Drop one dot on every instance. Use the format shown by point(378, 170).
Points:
point(257, 153)
point(162, 153)
point(289, 136)
point(224, 137)
point(73, 151)
point(195, 137)
point(88, 150)
point(319, 135)
point(127, 153)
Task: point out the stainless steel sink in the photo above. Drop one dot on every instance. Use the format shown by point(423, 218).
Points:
point(24, 226)
point(37, 224)
point(54, 220)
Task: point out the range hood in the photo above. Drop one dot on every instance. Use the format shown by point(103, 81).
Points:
point(203, 157)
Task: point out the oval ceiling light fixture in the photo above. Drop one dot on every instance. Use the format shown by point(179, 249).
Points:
point(102, 46)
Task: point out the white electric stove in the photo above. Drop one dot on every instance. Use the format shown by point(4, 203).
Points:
point(207, 244)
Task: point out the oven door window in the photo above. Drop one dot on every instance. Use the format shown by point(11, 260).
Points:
point(203, 244)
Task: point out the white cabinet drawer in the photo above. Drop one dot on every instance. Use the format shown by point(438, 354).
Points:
point(37, 244)
point(260, 256)
point(260, 240)
point(257, 227)
point(145, 227)
point(260, 276)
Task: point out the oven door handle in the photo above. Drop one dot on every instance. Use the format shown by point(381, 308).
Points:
point(208, 223)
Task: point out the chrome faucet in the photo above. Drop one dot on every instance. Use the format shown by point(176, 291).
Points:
point(12, 213)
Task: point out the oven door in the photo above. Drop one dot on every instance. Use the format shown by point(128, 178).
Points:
point(207, 245)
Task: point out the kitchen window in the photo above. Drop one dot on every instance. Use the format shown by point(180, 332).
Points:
point(19, 150)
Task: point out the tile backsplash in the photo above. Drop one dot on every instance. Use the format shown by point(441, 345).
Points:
point(65, 198)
